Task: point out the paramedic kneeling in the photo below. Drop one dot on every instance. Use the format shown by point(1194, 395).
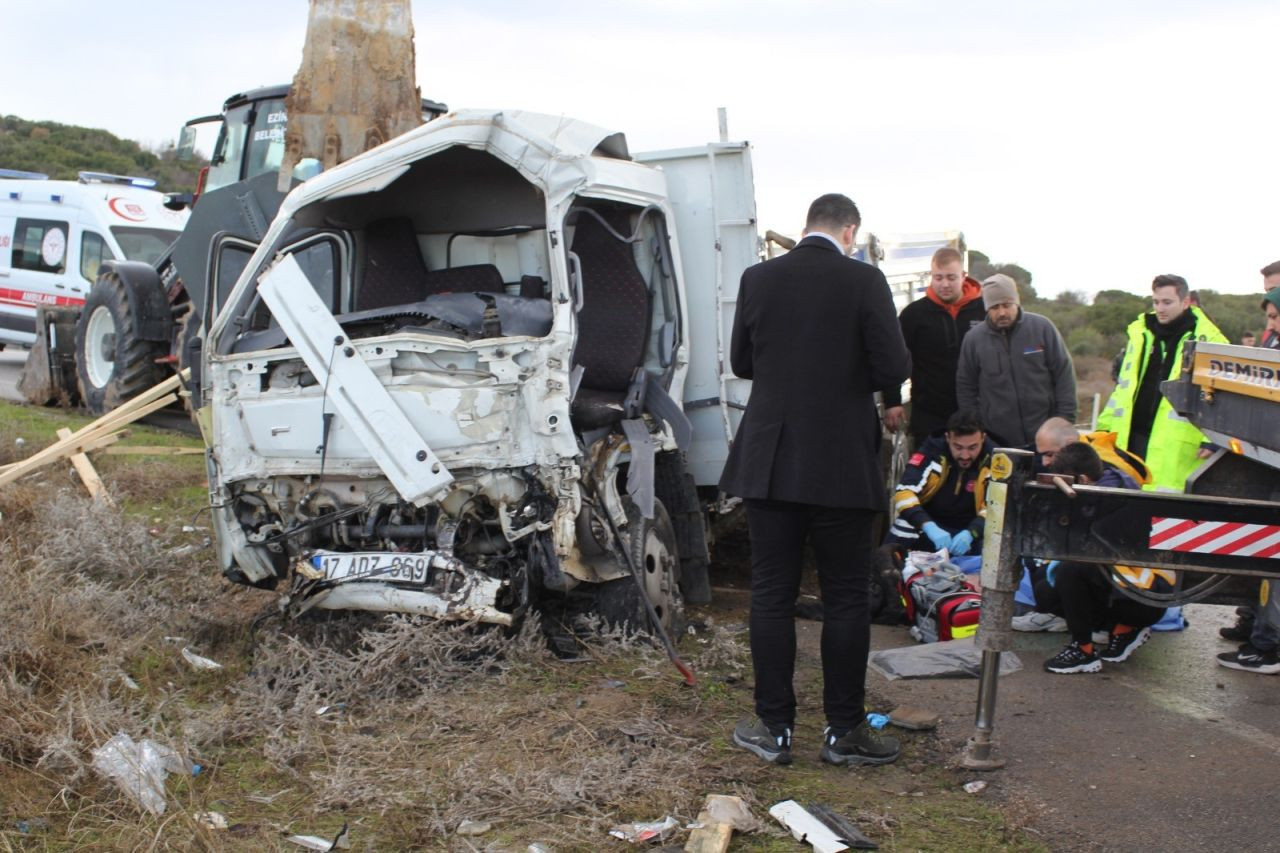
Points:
point(939, 501)
point(1088, 600)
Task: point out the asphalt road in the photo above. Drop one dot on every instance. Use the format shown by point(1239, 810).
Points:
point(1166, 751)
point(11, 361)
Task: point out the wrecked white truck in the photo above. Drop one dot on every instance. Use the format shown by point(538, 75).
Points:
point(477, 366)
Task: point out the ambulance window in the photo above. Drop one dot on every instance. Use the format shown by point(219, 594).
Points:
point(143, 244)
point(40, 245)
point(93, 251)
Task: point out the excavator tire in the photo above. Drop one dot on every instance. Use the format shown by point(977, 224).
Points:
point(112, 363)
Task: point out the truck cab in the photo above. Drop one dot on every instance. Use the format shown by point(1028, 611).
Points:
point(453, 377)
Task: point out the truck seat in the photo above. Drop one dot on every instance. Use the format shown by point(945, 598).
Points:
point(395, 274)
point(613, 325)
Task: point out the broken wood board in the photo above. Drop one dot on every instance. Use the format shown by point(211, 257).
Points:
point(151, 400)
point(88, 474)
point(156, 450)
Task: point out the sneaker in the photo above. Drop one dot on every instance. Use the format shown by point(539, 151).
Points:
point(1123, 645)
point(772, 743)
point(1034, 621)
point(860, 745)
point(1250, 659)
point(1239, 632)
point(1073, 659)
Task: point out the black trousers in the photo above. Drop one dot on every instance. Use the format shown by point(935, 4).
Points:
point(1089, 601)
point(841, 540)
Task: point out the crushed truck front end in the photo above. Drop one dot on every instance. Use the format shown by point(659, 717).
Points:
point(410, 406)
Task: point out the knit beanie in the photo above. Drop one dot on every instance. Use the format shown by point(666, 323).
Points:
point(1273, 296)
point(997, 289)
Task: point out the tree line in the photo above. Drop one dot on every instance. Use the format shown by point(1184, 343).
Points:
point(1097, 327)
point(62, 151)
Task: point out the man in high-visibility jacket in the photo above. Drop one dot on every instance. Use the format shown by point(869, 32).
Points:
point(1144, 422)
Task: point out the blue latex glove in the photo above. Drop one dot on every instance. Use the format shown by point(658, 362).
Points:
point(1049, 571)
point(939, 537)
point(961, 543)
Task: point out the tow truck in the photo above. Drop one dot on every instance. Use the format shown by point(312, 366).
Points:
point(1221, 536)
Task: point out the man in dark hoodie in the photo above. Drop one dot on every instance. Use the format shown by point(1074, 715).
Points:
point(933, 327)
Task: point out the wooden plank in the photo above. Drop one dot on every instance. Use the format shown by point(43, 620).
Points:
point(711, 837)
point(154, 450)
point(88, 474)
point(75, 443)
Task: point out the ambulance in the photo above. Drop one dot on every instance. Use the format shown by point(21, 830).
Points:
point(55, 234)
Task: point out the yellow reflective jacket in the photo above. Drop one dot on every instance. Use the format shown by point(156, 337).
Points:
point(1172, 453)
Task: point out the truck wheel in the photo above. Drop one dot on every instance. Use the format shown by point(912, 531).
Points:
point(653, 549)
point(112, 364)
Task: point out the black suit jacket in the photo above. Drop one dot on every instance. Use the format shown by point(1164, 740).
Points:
point(817, 334)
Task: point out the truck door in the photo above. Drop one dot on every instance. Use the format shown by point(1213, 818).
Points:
point(712, 195)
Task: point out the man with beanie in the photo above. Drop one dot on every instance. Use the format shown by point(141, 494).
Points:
point(934, 327)
point(817, 335)
point(1014, 370)
point(1144, 422)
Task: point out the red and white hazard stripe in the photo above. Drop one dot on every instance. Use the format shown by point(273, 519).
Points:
point(1215, 537)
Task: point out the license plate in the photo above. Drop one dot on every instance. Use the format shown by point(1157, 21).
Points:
point(406, 568)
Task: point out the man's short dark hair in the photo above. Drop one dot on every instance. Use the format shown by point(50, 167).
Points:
point(1169, 280)
point(833, 212)
point(964, 423)
point(947, 255)
point(1271, 269)
point(1076, 459)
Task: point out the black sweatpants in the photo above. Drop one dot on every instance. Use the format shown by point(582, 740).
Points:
point(1089, 601)
point(841, 540)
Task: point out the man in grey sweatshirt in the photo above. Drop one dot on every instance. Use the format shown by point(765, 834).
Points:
point(1015, 371)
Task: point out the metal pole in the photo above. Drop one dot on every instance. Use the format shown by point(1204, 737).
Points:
point(1009, 469)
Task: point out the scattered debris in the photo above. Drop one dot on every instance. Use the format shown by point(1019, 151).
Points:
point(877, 721)
point(341, 841)
point(720, 816)
point(976, 787)
point(914, 719)
point(842, 827)
point(613, 683)
point(199, 661)
point(35, 824)
point(336, 706)
point(806, 828)
point(129, 682)
point(947, 659)
point(212, 820)
point(139, 768)
point(266, 799)
point(642, 833)
point(473, 827)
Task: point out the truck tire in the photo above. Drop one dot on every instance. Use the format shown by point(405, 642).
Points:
point(655, 553)
point(112, 363)
point(674, 486)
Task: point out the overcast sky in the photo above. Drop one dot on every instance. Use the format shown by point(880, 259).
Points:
point(1095, 143)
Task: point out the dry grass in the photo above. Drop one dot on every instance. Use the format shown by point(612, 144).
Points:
point(402, 727)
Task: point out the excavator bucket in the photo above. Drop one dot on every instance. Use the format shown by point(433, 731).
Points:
point(356, 86)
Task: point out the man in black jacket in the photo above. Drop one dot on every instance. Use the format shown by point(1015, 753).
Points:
point(816, 333)
point(933, 327)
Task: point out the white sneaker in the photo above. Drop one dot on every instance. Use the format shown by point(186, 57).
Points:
point(1034, 621)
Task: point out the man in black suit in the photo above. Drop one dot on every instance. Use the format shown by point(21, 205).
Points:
point(817, 334)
